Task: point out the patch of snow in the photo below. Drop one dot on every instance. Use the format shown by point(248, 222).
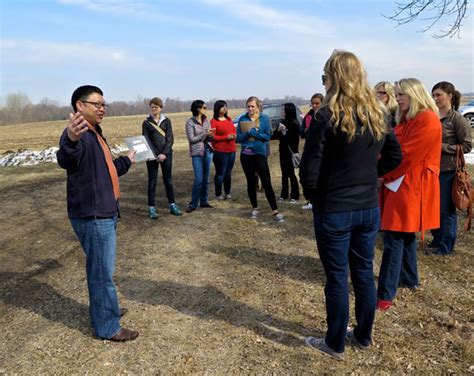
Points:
point(25, 157)
point(469, 158)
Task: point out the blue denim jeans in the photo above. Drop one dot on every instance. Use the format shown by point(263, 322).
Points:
point(224, 163)
point(398, 264)
point(346, 242)
point(202, 169)
point(444, 238)
point(98, 239)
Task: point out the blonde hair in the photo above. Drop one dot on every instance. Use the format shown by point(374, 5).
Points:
point(351, 96)
point(420, 98)
point(388, 87)
point(256, 100)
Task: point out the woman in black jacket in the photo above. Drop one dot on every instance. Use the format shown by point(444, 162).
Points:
point(347, 148)
point(288, 133)
point(157, 130)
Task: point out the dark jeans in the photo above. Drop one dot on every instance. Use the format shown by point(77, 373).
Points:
point(152, 168)
point(444, 238)
point(398, 264)
point(98, 240)
point(224, 163)
point(288, 172)
point(202, 169)
point(258, 164)
point(346, 242)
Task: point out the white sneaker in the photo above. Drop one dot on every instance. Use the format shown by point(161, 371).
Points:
point(254, 214)
point(227, 197)
point(308, 206)
point(279, 217)
point(281, 199)
point(293, 201)
point(219, 198)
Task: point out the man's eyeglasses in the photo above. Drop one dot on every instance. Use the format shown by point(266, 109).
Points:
point(98, 105)
point(324, 78)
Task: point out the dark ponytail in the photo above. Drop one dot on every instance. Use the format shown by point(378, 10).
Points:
point(449, 88)
point(456, 100)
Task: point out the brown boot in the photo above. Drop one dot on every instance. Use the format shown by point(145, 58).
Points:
point(123, 335)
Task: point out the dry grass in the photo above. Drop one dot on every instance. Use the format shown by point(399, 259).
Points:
point(210, 292)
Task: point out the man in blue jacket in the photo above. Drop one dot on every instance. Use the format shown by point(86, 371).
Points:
point(92, 202)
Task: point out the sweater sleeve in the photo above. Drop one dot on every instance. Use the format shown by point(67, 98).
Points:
point(216, 125)
point(293, 136)
point(169, 138)
point(264, 130)
point(313, 155)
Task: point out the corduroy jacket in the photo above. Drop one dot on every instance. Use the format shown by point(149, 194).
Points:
point(456, 131)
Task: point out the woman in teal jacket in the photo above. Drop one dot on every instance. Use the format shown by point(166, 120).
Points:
point(253, 133)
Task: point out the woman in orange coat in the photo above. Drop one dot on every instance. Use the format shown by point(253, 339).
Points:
point(410, 193)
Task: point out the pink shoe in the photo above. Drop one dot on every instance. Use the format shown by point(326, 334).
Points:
point(384, 305)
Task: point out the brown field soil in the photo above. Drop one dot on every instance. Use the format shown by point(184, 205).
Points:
point(211, 292)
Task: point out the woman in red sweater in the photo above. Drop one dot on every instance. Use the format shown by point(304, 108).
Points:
point(224, 149)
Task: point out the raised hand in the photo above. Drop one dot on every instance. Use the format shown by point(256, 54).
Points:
point(76, 127)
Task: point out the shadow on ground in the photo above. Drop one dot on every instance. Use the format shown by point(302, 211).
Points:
point(23, 291)
point(208, 303)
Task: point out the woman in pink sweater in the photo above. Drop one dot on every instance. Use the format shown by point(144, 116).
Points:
point(224, 149)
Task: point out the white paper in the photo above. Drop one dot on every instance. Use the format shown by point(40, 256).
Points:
point(394, 185)
point(141, 147)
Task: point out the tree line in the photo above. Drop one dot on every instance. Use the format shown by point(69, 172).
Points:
point(19, 109)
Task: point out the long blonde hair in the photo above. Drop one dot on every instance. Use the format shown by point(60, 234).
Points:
point(392, 104)
point(420, 98)
point(350, 98)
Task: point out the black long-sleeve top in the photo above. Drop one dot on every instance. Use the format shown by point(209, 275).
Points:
point(160, 143)
point(290, 139)
point(342, 176)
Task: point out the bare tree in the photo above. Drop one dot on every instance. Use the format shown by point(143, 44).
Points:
point(433, 11)
point(17, 101)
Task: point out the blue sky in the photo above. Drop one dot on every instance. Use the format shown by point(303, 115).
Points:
point(208, 49)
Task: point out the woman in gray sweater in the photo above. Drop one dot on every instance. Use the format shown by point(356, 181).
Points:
point(199, 135)
point(455, 132)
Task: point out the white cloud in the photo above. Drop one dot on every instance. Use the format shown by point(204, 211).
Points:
point(140, 10)
point(42, 52)
point(270, 18)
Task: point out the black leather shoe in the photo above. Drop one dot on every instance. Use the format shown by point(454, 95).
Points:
point(190, 209)
point(124, 335)
point(206, 205)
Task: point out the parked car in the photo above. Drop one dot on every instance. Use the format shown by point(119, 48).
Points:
point(274, 111)
point(468, 112)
